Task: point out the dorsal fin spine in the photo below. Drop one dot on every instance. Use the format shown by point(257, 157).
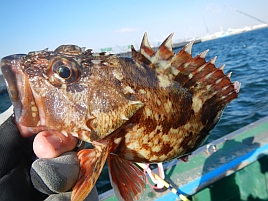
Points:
point(188, 47)
point(203, 54)
point(145, 48)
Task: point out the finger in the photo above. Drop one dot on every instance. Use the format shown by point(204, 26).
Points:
point(52, 144)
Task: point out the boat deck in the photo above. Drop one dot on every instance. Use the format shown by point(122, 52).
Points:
point(234, 167)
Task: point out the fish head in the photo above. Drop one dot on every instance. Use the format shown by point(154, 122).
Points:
point(69, 90)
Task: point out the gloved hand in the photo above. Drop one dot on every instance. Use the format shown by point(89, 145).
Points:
point(55, 176)
point(20, 179)
point(16, 155)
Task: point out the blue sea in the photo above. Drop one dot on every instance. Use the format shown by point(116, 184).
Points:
point(246, 56)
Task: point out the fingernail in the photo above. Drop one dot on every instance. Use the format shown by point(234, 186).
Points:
point(54, 140)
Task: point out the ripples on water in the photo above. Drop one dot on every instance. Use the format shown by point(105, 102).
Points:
point(4, 102)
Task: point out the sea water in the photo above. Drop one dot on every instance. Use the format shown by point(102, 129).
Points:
point(246, 56)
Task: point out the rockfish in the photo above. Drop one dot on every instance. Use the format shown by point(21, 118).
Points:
point(153, 107)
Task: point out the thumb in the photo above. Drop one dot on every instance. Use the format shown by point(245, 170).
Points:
point(52, 144)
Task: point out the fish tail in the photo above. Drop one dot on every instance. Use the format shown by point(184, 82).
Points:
point(91, 164)
point(127, 179)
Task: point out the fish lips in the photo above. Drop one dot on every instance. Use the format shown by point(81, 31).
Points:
point(19, 90)
point(9, 67)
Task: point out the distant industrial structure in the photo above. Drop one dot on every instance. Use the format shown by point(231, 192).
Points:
point(231, 31)
point(126, 50)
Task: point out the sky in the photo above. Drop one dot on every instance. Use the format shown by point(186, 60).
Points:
point(30, 25)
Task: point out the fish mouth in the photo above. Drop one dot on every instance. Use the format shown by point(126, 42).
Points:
point(10, 74)
point(20, 91)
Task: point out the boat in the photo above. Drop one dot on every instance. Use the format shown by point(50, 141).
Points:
point(233, 168)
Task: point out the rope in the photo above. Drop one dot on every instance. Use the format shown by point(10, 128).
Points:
point(158, 184)
point(166, 184)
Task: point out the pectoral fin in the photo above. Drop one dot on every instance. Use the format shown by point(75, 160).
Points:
point(91, 164)
point(126, 178)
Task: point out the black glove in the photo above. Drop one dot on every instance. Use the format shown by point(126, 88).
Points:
point(16, 156)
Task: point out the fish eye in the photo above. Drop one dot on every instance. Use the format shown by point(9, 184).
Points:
point(63, 71)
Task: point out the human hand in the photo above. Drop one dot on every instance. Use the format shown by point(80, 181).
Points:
point(49, 144)
point(55, 176)
point(50, 174)
point(16, 158)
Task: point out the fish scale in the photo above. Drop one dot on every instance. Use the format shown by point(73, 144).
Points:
point(150, 108)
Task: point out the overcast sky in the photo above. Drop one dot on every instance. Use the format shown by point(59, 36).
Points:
point(35, 25)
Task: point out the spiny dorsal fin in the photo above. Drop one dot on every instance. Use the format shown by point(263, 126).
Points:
point(191, 73)
point(209, 87)
point(187, 65)
point(160, 60)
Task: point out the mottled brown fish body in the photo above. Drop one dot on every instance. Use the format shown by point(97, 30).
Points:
point(152, 108)
point(166, 126)
point(161, 123)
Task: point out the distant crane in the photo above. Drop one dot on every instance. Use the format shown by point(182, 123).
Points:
point(234, 9)
point(206, 25)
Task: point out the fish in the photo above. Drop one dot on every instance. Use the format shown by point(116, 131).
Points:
point(151, 108)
